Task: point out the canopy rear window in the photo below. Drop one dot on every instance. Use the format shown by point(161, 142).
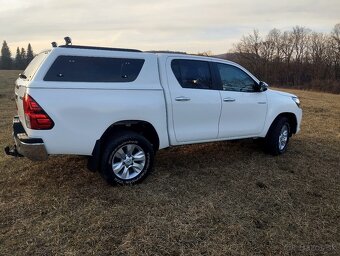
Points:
point(35, 64)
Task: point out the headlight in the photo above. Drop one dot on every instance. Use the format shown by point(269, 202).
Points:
point(297, 101)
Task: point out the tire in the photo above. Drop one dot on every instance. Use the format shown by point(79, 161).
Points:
point(277, 138)
point(127, 159)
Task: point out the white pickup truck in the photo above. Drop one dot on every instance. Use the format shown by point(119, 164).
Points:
point(120, 106)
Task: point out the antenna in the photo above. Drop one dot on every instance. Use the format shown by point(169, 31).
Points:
point(68, 40)
point(54, 44)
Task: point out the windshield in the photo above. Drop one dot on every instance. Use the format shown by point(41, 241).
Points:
point(35, 64)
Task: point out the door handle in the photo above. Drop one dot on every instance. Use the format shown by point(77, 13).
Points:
point(182, 98)
point(228, 99)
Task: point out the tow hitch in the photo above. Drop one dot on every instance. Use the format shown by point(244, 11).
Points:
point(32, 148)
point(12, 151)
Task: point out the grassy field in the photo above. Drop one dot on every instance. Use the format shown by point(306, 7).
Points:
point(225, 198)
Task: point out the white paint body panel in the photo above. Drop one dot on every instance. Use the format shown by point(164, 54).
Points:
point(243, 117)
point(83, 111)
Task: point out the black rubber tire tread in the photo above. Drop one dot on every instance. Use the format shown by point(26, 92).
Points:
point(114, 143)
point(271, 140)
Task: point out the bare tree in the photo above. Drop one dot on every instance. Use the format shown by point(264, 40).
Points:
point(317, 54)
point(335, 46)
point(296, 57)
point(287, 44)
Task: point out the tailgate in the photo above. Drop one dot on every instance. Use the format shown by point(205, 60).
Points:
point(20, 90)
point(23, 82)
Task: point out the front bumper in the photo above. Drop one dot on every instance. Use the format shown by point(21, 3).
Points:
point(32, 148)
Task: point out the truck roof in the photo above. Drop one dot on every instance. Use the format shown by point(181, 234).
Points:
point(159, 53)
point(131, 52)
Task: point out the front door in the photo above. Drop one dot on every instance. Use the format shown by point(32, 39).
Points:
point(243, 109)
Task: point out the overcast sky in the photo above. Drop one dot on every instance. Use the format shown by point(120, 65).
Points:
point(185, 25)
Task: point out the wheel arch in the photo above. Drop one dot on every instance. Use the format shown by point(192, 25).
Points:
point(292, 121)
point(144, 128)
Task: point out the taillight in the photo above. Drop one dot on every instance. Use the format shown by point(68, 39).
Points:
point(35, 117)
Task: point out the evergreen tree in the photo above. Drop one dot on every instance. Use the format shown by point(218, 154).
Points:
point(29, 54)
point(23, 54)
point(23, 58)
point(6, 59)
point(18, 59)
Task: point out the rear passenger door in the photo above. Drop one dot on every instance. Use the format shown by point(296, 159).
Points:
point(196, 104)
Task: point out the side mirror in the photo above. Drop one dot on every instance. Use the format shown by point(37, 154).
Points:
point(261, 86)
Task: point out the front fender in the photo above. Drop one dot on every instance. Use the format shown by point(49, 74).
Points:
point(281, 104)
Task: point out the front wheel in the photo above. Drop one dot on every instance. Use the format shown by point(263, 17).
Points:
point(277, 139)
point(127, 159)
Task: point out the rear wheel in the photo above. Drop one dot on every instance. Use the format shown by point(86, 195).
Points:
point(277, 139)
point(127, 158)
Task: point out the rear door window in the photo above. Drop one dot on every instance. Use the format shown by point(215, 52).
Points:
point(94, 69)
point(194, 74)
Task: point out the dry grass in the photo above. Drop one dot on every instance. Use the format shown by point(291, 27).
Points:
point(212, 199)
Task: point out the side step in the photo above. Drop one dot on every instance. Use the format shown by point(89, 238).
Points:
point(12, 151)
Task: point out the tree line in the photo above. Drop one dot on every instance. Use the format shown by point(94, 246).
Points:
point(298, 57)
point(22, 58)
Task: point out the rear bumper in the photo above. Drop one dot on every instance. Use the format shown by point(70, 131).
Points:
point(32, 148)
